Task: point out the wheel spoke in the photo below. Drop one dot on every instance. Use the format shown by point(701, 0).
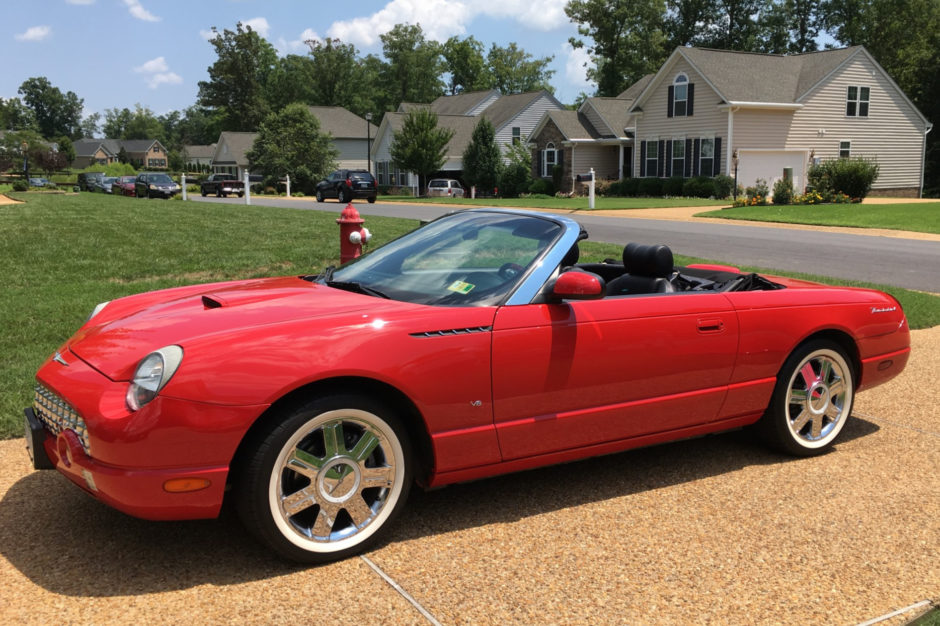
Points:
point(825, 369)
point(325, 520)
point(300, 500)
point(304, 463)
point(377, 477)
point(833, 412)
point(801, 420)
point(358, 511)
point(816, 430)
point(333, 439)
point(836, 389)
point(364, 447)
point(809, 376)
point(798, 396)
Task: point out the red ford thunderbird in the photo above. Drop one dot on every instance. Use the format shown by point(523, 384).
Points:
point(472, 346)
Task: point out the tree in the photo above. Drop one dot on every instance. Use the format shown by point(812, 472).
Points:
point(122, 155)
point(516, 177)
point(292, 80)
point(335, 74)
point(237, 85)
point(116, 122)
point(199, 127)
point(627, 40)
point(464, 61)
point(14, 115)
point(420, 146)
point(482, 159)
point(290, 143)
point(515, 71)
point(67, 150)
point(414, 65)
point(56, 113)
point(89, 126)
point(143, 124)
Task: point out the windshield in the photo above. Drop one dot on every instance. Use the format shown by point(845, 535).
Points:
point(465, 259)
point(159, 178)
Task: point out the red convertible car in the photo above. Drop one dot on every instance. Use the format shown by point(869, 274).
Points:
point(472, 346)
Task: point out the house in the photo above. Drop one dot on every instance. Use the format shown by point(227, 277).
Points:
point(513, 117)
point(230, 153)
point(142, 153)
point(758, 116)
point(198, 158)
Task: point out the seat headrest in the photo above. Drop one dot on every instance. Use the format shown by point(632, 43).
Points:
point(572, 256)
point(643, 260)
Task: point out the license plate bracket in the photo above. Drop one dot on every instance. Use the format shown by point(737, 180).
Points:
point(35, 435)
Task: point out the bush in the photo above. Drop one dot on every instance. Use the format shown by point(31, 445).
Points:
point(513, 180)
point(723, 185)
point(699, 187)
point(556, 178)
point(20, 185)
point(783, 191)
point(672, 186)
point(50, 187)
point(852, 177)
point(540, 186)
point(758, 193)
point(650, 187)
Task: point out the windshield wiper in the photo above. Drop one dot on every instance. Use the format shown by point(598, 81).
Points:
point(354, 286)
point(324, 276)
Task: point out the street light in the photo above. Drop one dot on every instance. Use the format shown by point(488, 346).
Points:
point(368, 142)
point(734, 162)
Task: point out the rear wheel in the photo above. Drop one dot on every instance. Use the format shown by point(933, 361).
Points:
point(341, 196)
point(811, 401)
point(371, 199)
point(319, 195)
point(218, 192)
point(324, 482)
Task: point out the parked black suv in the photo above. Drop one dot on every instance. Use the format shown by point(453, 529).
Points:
point(344, 185)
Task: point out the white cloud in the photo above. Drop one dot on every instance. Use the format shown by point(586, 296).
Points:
point(208, 35)
point(137, 10)
point(157, 73)
point(577, 61)
point(299, 45)
point(259, 25)
point(34, 33)
point(441, 19)
point(80, 2)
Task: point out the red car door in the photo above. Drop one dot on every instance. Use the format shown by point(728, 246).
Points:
point(581, 373)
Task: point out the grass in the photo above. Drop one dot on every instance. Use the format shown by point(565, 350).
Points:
point(923, 217)
point(577, 203)
point(64, 253)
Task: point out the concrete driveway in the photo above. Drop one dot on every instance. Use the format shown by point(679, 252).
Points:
point(713, 530)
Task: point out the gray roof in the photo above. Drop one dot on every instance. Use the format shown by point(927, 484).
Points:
point(573, 125)
point(462, 125)
point(459, 104)
point(342, 123)
point(633, 91)
point(614, 111)
point(88, 147)
point(238, 144)
point(200, 152)
point(507, 107)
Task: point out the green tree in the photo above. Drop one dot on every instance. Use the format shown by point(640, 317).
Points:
point(464, 61)
point(290, 142)
point(199, 127)
point(116, 122)
point(414, 65)
point(515, 71)
point(291, 80)
point(144, 124)
point(420, 146)
point(14, 115)
point(66, 149)
point(627, 40)
point(237, 85)
point(336, 75)
point(90, 124)
point(482, 159)
point(516, 177)
point(56, 113)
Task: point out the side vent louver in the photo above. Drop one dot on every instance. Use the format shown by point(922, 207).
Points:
point(453, 331)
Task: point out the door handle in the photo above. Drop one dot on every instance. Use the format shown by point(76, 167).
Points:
point(710, 325)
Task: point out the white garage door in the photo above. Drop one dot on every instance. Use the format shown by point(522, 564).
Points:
point(769, 165)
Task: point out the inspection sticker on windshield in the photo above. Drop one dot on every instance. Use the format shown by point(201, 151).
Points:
point(461, 287)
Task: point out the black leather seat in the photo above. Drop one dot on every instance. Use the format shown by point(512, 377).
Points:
point(648, 269)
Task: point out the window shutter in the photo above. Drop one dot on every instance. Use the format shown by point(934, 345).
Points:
point(696, 155)
point(541, 163)
point(642, 159)
point(560, 159)
point(669, 101)
point(717, 169)
point(668, 171)
point(662, 158)
point(688, 106)
point(688, 157)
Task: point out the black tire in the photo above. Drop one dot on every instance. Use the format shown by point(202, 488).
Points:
point(218, 192)
point(812, 400)
point(341, 196)
point(286, 489)
point(203, 192)
point(146, 194)
point(371, 199)
point(319, 195)
point(241, 194)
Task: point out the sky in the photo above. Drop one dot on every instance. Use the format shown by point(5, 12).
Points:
point(117, 53)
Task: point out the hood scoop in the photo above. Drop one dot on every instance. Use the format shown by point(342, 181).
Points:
point(211, 303)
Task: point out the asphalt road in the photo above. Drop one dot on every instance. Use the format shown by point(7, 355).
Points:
point(910, 263)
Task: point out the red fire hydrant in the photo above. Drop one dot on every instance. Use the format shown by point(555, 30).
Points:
point(351, 234)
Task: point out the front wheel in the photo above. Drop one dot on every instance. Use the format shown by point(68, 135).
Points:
point(341, 196)
point(319, 196)
point(325, 481)
point(811, 401)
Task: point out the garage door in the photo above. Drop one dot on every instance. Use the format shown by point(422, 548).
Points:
point(769, 165)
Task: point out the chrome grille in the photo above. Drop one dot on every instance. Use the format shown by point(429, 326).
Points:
point(57, 415)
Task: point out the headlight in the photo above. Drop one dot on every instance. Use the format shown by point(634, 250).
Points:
point(98, 309)
point(154, 372)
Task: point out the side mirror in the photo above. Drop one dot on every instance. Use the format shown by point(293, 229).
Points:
point(575, 285)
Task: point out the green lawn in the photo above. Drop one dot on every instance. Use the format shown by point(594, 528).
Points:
point(64, 253)
point(921, 217)
point(574, 204)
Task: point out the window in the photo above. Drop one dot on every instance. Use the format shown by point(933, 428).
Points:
point(652, 156)
point(856, 101)
point(678, 157)
point(845, 149)
point(549, 158)
point(516, 135)
point(706, 161)
point(680, 96)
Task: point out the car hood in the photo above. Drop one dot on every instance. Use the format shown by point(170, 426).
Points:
point(130, 328)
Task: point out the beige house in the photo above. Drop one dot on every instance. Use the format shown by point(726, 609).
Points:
point(776, 114)
point(147, 154)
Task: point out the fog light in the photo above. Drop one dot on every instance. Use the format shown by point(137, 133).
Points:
point(184, 485)
point(885, 365)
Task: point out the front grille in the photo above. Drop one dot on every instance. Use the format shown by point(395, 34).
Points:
point(57, 415)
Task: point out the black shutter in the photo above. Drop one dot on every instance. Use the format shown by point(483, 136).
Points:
point(642, 159)
point(662, 158)
point(559, 162)
point(669, 103)
point(688, 157)
point(696, 155)
point(668, 171)
point(688, 106)
point(538, 166)
point(717, 160)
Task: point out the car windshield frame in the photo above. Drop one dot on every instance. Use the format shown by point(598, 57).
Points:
point(160, 179)
point(478, 257)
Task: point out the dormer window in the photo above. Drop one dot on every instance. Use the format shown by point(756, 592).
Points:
point(681, 93)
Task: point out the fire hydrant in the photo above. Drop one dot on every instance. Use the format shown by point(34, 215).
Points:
point(351, 234)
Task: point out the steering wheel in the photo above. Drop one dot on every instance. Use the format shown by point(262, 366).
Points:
point(509, 271)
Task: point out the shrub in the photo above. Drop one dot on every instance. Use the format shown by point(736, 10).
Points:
point(852, 177)
point(540, 186)
point(758, 193)
point(783, 191)
point(672, 186)
point(699, 187)
point(20, 185)
point(630, 187)
point(193, 189)
point(650, 187)
point(723, 185)
point(513, 180)
point(556, 177)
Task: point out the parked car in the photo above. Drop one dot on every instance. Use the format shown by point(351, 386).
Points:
point(344, 185)
point(222, 185)
point(38, 182)
point(86, 179)
point(124, 186)
point(155, 185)
point(102, 184)
point(445, 187)
point(475, 345)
